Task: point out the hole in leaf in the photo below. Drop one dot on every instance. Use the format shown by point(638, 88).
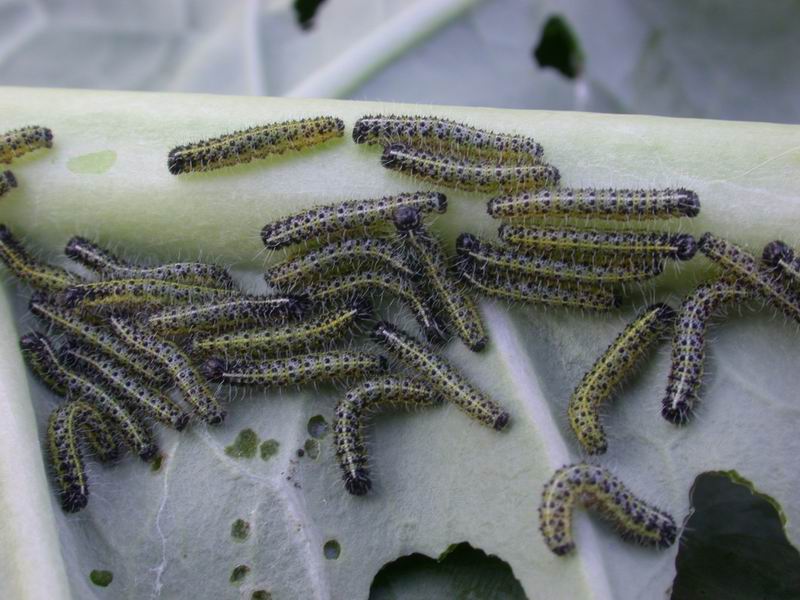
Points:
point(460, 572)
point(101, 578)
point(240, 530)
point(305, 11)
point(269, 448)
point(734, 544)
point(244, 446)
point(312, 449)
point(559, 48)
point(331, 550)
point(317, 427)
point(155, 466)
point(261, 595)
point(239, 573)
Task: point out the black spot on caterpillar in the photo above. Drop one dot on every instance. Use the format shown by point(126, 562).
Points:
point(33, 272)
point(425, 251)
point(285, 338)
point(616, 363)
point(18, 142)
point(740, 265)
point(226, 314)
point(296, 370)
point(342, 216)
point(598, 204)
point(175, 362)
point(591, 242)
point(598, 488)
point(7, 182)
point(689, 343)
point(446, 135)
point(484, 255)
point(253, 143)
point(351, 411)
point(340, 256)
point(109, 266)
point(465, 174)
point(443, 378)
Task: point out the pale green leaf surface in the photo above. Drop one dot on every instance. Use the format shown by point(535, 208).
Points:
point(439, 478)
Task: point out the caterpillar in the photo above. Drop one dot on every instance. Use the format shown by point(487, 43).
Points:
point(95, 337)
point(465, 174)
point(33, 272)
point(680, 246)
point(508, 287)
point(109, 266)
point(133, 431)
point(782, 258)
point(110, 372)
point(7, 182)
point(688, 346)
point(334, 218)
point(285, 338)
point(443, 378)
point(175, 362)
point(351, 410)
point(337, 257)
point(18, 142)
point(739, 264)
point(597, 386)
point(598, 204)
point(484, 255)
point(598, 488)
point(41, 357)
point(443, 134)
point(367, 282)
point(426, 252)
point(253, 143)
point(115, 293)
point(296, 370)
point(224, 314)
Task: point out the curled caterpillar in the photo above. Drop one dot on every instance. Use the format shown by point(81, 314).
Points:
point(253, 143)
point(598, 488)
point(18, 142)
point(109, 266)
point(342, 216)
point(465, 174)
point(443, 378)
point(351, 412)
point(26, 268)
point(616, 363)
point(7, 182)
point(598, 204)
point(445, 135)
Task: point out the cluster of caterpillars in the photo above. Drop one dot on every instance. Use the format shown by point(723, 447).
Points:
point(17, 143)
point(133, 333)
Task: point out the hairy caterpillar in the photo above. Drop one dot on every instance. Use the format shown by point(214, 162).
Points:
point(18, 142)
point(7, 182)
point(689, 343)
point(179, 367)
point(133, 431)
point(782, 258)
point(33, 272)
point(367, 282)
point(131, 292)
point(591, 242)
point(94, 336)
point(506, 286)
point(42, 358)
point(109, 266)
point(351, 410)
point(333, 218)
point(296, 370)
point(426, 252)
point(256, 142)
point(616, 363)
point(598, 488)
point(484, 255)
point(598, 204)
point(742, 266)
point(305, 335)
point(442, 377)
point(226, 314)
point(443, 134)
point(336, 257)
point(139, 396)
point(465, 174)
